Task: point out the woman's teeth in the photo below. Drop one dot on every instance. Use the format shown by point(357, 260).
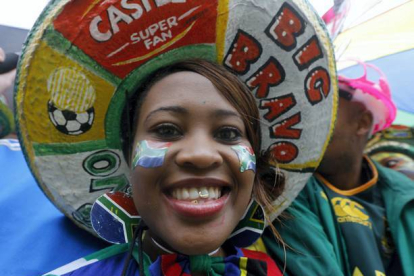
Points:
point(196, 193)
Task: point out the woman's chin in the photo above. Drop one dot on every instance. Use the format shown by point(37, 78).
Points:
point(193, 245)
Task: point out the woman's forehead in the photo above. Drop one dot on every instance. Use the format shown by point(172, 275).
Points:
point(185, 88)
point(183, 78)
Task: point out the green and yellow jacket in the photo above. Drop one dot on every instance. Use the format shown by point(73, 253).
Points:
point(315, 245)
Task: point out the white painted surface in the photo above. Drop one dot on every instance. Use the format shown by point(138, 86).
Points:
point(20, 13)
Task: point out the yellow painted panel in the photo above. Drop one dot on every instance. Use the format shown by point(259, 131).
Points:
point(43, 80)
point(222, 20)
point(258, 246)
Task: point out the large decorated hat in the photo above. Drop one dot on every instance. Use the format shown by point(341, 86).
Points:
point(83, 58)
point(394, 148)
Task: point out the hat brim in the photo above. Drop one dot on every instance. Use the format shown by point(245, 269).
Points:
point(396, 138)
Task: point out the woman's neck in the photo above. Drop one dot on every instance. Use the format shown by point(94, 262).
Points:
point(154, 248)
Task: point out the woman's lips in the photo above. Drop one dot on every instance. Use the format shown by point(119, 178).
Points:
point(197, 197)
point(198, 208)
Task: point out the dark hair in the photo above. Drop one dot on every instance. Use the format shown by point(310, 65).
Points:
point(269, 184)
point(9, 63)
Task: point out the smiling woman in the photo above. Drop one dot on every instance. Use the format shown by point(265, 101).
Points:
point(202, 114)
point(194, 177)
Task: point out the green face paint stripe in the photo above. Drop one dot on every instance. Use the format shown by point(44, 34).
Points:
point(246, 156)
point(150, 154)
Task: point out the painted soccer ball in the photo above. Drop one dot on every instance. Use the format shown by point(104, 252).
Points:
point(70, 122)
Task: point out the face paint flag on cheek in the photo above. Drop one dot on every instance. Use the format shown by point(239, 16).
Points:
point(246, 157)
point(149, 154)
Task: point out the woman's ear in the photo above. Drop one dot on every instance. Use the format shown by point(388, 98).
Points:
point(365, 122)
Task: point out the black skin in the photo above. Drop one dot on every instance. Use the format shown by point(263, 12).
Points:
point(342, 163)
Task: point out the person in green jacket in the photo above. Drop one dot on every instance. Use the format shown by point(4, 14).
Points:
point(354, 217)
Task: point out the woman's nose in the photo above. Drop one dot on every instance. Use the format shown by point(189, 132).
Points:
point(199, 151)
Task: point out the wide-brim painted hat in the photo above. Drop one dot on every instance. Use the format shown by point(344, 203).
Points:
point(83, 58)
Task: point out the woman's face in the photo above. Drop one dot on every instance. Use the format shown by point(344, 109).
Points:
point(194, 198)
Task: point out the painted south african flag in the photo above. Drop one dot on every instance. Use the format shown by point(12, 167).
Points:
point(150, 154)
point(246, 157)
point(250, 227)
point(114, 217)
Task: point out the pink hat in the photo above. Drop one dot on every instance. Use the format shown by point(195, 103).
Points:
point(375, 96)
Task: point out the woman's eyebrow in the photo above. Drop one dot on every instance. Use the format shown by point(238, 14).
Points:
point(225, 113)
point(174, 109)
point(218, 113)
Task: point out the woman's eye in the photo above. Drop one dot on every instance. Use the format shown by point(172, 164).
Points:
point(228, 134)
point(167, 131)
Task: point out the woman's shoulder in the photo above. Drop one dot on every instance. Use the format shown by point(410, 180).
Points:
point(106, 262)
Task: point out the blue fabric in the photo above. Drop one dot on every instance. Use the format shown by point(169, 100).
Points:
point(398, 68)
point(112, 266)
point(35, 237)
point(110, 261)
